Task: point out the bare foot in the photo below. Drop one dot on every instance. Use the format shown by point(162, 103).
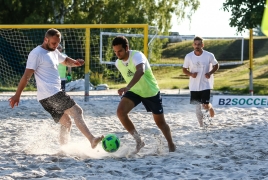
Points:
point(139, 145)
point(211, 112)
point(95, 141)
point(172, 147)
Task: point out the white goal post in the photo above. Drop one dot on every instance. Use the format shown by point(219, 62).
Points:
point(151, 37)
point(230, 38)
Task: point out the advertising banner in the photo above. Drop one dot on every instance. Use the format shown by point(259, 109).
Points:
point(240, 101)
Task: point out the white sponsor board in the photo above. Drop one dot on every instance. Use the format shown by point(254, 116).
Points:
point(240, 101)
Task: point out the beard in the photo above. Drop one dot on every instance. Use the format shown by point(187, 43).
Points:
point(197, 49)
point(48, 48)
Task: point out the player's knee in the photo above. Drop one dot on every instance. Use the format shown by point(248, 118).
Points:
point(162, 125)
point(68, 124)
point(120, 113)
point(66, 121)
point(206, 106)
point(160, 121)
point(78, 109)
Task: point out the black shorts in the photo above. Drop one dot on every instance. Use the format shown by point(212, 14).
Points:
point(152, 104)
point(57, 104)
point(63, 85)
point(200, 97)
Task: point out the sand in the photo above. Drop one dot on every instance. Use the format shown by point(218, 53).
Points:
point(234, 146)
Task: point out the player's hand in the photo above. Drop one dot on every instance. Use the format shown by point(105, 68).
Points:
point(122, 91)
point(79, 62)
point(207, 75)
point(14, 101)
point(193, 75)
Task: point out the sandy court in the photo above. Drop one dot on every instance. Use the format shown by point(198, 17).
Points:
point(233, 147)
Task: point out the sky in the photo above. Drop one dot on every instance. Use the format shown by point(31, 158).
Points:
point(208, 21)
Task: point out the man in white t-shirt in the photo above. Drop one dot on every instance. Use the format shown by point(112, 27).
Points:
point(43, 62)
point(200, 66)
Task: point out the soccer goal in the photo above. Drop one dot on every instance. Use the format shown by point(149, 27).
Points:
point(170, 50)
point(173, 54)
point(233, 57)
point(156, 45)
point(79, 42)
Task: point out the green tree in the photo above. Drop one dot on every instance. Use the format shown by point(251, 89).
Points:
point(153, 12)
point(245, 14)
point(23, 12)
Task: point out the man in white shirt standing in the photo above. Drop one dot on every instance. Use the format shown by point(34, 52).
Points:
point(200, 66)
point(43, 62)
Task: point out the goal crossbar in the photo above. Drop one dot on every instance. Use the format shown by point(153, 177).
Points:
point(87, 28)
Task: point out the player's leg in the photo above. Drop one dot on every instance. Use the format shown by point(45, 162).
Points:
point(206, 104)
point(127, 103)
point(196, 99)
point(164, 127)
point(209, 107)
point(77, 113)
point(66, 124)
point(199, 114)
point(154, 105)
point(211, 110)
point(61, 104)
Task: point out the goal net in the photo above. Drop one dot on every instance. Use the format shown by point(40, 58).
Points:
point(232, 50)
point(93, 44)
point(171, 50)
point(78, 41)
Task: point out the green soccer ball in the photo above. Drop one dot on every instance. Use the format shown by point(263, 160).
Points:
point(110, 143)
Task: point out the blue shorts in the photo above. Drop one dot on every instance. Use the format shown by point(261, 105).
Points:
point(200, 97)
point(152, 104)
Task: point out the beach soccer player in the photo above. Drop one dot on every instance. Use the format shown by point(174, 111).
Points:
point(43, 62)
point(200, 65)
point(141, 87)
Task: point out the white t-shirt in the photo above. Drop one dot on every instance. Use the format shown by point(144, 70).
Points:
point(201, 64)
point(137, 59)
point(45, 65)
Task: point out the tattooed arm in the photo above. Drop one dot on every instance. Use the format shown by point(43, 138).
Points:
point(73, 63)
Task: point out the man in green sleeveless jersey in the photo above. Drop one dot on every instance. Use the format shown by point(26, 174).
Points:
point(142, 87)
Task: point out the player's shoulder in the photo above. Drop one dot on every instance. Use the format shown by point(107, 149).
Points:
point(208, 53)
point(36, 50)
point(137, 54)
point(189, 54)
point(135, 51)
point(116, 62)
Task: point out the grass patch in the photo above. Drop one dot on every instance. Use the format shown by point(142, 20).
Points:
point(234, 79)
point(14, 89)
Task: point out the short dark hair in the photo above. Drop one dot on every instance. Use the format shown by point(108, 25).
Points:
point(53, 32)
point(120, 40)
point(198, 38)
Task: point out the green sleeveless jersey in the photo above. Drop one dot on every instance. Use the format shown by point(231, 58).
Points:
point(62, 71)
point(147, 85)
